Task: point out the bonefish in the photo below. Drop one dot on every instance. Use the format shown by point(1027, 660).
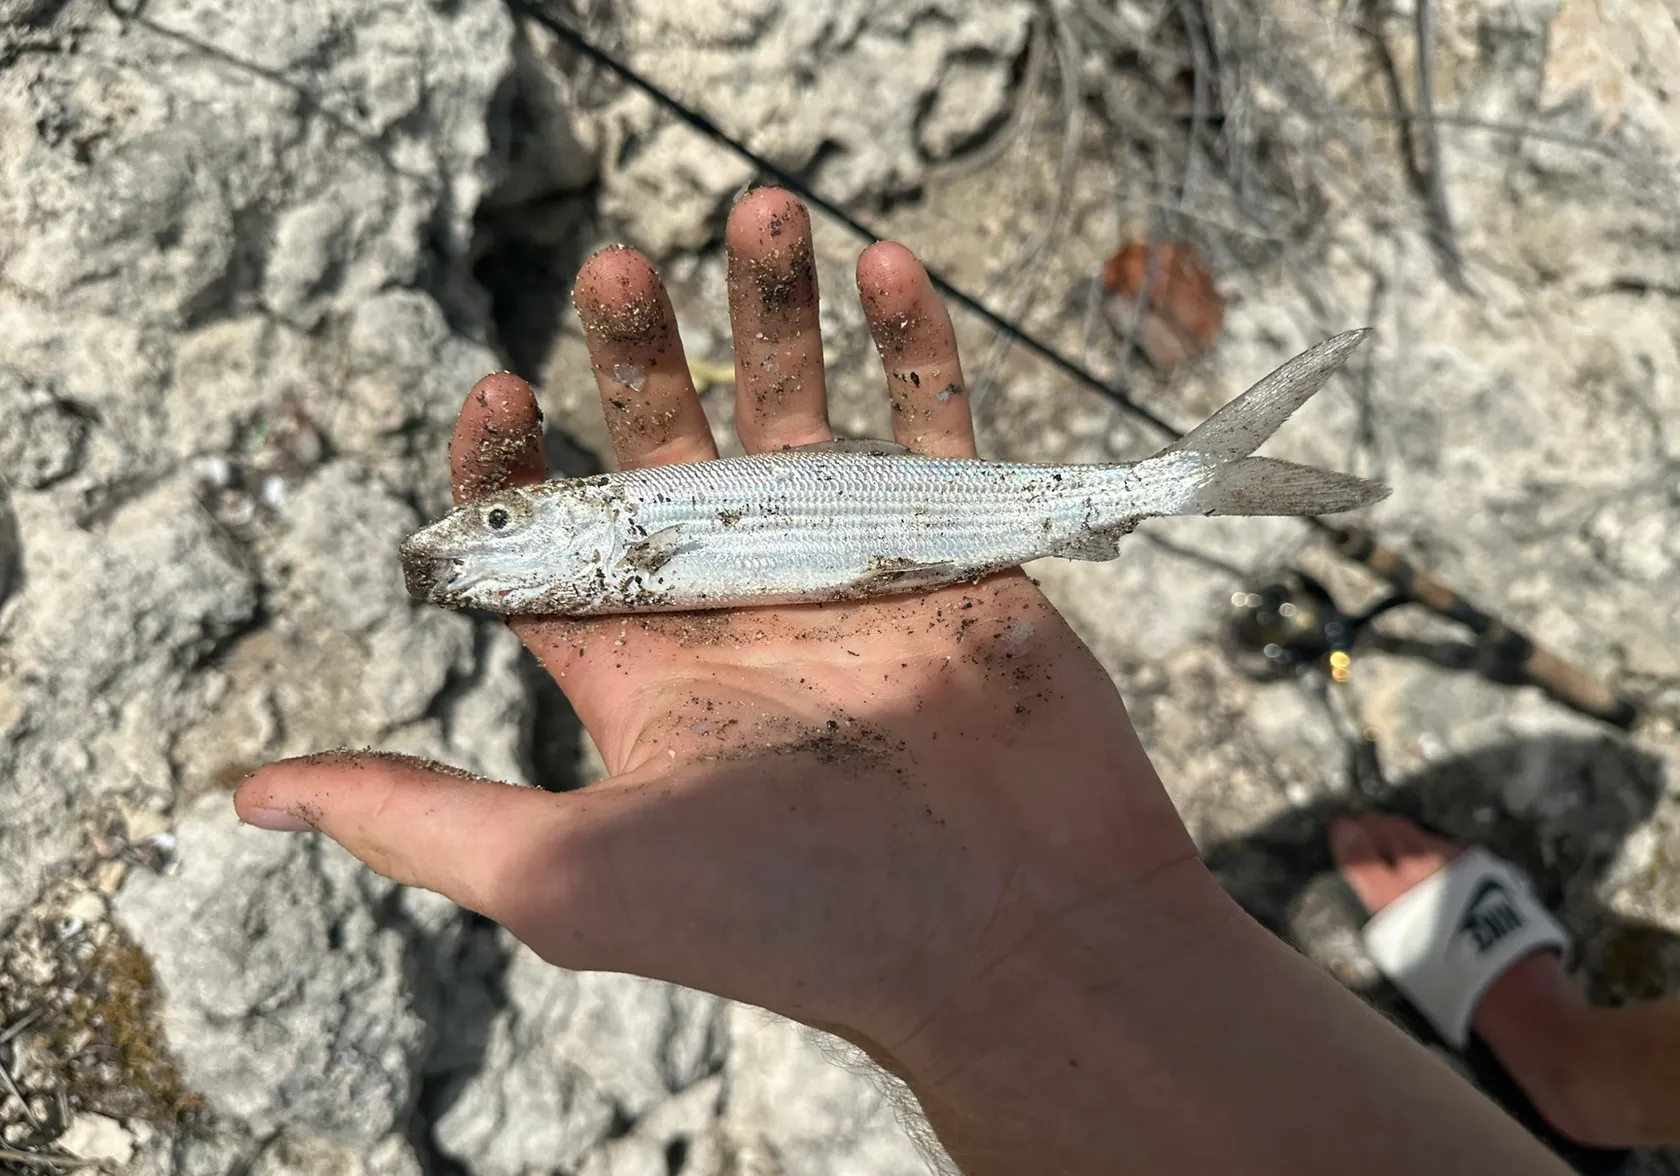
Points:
point(850, 519)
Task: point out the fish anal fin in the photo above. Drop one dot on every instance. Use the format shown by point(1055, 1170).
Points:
point(1097, 544)
point(888, 575)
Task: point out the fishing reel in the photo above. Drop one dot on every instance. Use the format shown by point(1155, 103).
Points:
point(1293, 624)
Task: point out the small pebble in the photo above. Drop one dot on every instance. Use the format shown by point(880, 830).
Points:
point(274, 492)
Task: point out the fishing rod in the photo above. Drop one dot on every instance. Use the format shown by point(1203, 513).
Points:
point(1295, 622)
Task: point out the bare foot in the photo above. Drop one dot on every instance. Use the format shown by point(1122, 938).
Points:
point(1384, 856)
point(1532, 1017)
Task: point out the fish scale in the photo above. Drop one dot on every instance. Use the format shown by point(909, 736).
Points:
point(777, 524)
point(854, 519)
point(854, 495)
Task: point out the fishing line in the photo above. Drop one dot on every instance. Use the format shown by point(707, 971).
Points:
point(799, 187)
point(1564, 681)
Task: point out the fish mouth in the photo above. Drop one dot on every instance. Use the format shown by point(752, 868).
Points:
point(427, 574)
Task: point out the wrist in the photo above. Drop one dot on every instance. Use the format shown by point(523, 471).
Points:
point(1163, 1025)
point(1048, 1023)
point(1087, 954)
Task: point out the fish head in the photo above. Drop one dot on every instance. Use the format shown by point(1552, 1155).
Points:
point(528, 550)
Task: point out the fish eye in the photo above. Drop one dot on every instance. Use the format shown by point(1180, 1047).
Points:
point(496, 518)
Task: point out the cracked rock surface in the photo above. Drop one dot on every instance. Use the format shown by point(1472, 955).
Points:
point(288, 1001)
point(185, 390)
point(239, 313)
point(800, 83)
point(571, 1053)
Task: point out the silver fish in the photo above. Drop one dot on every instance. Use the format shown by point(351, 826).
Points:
point(852, 519)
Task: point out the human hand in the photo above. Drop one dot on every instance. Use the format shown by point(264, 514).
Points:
point(854, 813)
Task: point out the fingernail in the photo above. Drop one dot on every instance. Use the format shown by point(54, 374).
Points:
point(277, 821)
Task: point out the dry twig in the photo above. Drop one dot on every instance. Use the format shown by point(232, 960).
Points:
point(1435, 198)
point(23, 1157)
point(12, 1089)
point(1424, 178)
point(1033, 257)
point(19, 1025)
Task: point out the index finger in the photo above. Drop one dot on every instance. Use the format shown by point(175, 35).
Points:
point(498, 445)
point(498, 439)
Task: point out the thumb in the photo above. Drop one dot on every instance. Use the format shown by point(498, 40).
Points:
point(690, 874)
point(419, 823)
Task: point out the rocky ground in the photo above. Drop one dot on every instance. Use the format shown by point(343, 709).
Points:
point(252, 257)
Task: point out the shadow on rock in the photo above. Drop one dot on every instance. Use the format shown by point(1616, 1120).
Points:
point(529, 257)
point(1579, 799)
point(11, 547)
point(458, 967)
point(1559, 807)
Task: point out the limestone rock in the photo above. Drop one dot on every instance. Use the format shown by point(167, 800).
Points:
point(104, 636)
point(806, 1104)
point(95, 1137)
point(287, 1156)
point(572, 1053)
point(679, 1136)
point(240, 305)
point(232, 225)
point(831, 89)
point(285, 1000)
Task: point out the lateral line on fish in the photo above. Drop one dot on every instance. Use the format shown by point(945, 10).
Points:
point(854, 519)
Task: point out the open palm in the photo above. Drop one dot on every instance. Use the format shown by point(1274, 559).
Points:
point(847, 812)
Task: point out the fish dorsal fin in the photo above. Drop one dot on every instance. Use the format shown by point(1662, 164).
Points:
point(865, 445)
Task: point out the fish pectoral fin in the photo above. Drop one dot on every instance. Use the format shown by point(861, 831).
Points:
point(867, 445)
point(1097, 544)
point(654, 552)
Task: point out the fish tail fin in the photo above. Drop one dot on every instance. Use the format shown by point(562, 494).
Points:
point(1241, 484)
point(1244, 424)
point(1266, 486)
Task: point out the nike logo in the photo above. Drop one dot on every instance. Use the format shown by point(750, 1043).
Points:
point(1490, 915)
